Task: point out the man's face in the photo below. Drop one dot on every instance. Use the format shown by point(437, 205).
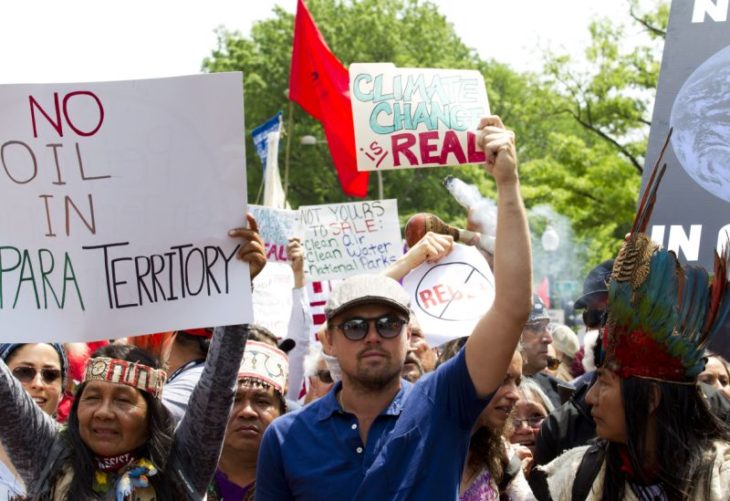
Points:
point(608, 406)
point(420, 358)
point(715, 374)
point(253, 411)
point(372, 362)
point(535, 341)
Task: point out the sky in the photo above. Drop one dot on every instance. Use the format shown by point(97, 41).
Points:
point(47, 41)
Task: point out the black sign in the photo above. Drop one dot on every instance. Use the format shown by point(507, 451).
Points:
point(692, 213)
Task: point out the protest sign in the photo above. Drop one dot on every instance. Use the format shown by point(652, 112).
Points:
point(416, 117)
point(350, 238)
point(692, 212)
point(276, 227)
point(118, 198)
point(272, 297)
point(449, 297)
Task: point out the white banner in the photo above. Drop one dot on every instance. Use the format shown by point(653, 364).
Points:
point(117, 200)
point(415, 117)
point(350, 238)
point(449, 297)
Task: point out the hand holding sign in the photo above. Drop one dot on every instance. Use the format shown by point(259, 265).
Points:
point(499, 145)
point(253, 251)
point(295, 253)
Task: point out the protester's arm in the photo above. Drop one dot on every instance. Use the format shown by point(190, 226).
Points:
point(199, 437)
point(430, 248)
point(493, 341)
point(300, 319)
point(26, 432)
point(270, 477)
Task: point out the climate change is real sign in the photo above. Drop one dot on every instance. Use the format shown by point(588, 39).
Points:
point(416, 117)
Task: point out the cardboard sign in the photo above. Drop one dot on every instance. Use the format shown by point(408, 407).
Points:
point(416, 117)
point(272, 297)
point(449, 297)
point(346, 239)
point(276, 227)
point(117, 200)
point(692, 212)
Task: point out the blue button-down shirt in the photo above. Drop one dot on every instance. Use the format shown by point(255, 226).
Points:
point(415, 450)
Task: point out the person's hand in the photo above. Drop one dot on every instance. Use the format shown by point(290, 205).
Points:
point(295, 255)
point(252, 250)
point(430, 249)
point(525, 456)
point(498, 145)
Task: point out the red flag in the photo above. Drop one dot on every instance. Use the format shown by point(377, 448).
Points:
point(319, 83)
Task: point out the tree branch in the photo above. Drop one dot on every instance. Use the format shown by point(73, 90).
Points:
point(611, 140)
point(649, 27)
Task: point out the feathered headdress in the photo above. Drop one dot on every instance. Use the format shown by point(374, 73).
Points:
point(661, 315)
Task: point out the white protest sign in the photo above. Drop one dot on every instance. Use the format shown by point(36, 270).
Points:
point(272, 297)
point(276, 227)
point(350, 238)
point(117, 200)
point(449, 297)
point(415, 117)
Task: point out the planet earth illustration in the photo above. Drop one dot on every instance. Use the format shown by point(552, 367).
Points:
point(701, 121)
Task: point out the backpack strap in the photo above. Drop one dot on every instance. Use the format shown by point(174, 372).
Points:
point(587, 472)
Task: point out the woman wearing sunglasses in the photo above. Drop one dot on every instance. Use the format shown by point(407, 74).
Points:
point(41, 369)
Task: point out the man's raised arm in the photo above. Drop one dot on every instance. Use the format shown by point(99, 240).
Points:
point(490, 347)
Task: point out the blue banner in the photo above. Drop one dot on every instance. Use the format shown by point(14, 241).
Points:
point(261, 133)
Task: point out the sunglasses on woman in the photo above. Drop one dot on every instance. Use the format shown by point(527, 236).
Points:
point(387, 327)
point(27, 374)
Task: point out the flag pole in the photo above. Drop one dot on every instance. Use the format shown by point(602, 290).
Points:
point(380, 184)
point(289, 134)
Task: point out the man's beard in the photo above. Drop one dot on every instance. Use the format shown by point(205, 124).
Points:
point(373, 381)
point(414, 372)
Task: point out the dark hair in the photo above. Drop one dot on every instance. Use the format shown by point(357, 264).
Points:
point(685, 431)
point(486, 450)
point(262, 334)
point(157, 448)
point(450, 349)
point(202, 343)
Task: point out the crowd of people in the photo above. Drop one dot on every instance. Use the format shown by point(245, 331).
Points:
point(520, 408)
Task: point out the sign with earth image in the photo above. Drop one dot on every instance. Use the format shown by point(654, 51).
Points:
point(692, 213)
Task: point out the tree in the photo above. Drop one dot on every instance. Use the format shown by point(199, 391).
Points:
point(592, 173)
point(581, 133)
point(407, 33)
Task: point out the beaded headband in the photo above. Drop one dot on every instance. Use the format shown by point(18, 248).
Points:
point(266, 363)
point(139, 376)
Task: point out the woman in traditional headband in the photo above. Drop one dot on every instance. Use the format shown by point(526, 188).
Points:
point(121, 443)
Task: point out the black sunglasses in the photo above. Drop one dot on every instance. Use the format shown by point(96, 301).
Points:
point(386, 326)
point(26, 374)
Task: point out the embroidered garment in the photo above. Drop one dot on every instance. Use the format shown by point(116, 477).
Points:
point(483, 488)
point(130, 479)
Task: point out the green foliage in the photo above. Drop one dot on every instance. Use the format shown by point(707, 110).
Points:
point(581, 135)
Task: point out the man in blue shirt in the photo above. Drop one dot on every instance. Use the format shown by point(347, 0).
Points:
point(374, 435)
